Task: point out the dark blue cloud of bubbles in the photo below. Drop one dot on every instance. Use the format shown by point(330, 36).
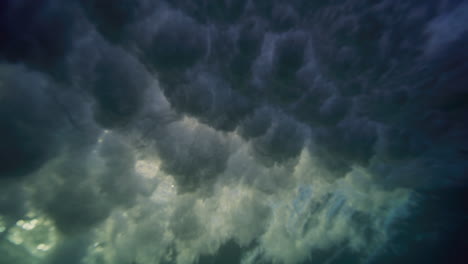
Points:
point(381, 85)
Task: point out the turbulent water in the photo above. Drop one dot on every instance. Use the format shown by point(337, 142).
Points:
point(233, 131)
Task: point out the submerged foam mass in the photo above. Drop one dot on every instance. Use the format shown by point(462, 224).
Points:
point(246, 131)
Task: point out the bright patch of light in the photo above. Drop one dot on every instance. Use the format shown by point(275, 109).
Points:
point(37, 235)
point(27, 225)
point(43, 247)
point(166, 191)
point(150, 169)
point(147, 169)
